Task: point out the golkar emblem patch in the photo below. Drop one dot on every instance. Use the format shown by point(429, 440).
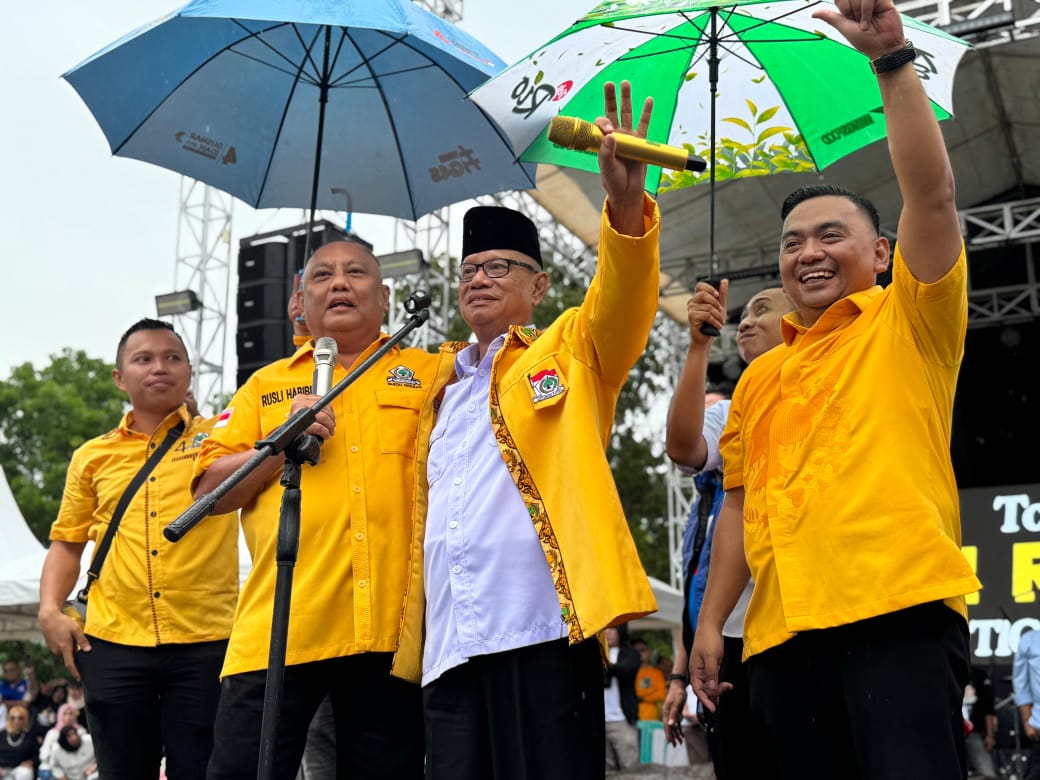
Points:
point(546, 384)
point(402, 376)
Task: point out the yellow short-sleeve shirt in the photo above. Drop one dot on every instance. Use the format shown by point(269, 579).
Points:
point(150, 591)
point(840, 438)
point(355, 532)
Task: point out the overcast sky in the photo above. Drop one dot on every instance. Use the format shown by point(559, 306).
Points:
point(91, 239)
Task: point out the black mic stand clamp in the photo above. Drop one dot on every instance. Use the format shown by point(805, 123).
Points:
point(299, 448)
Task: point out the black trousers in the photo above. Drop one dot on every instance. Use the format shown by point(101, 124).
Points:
point(735, 736)
point(879, 699)
point(142, 699)
point(535, 713)
point(379, 727)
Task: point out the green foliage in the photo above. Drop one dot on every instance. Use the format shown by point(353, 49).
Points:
point(766, 149)
point(46, 665)
point(44, 416)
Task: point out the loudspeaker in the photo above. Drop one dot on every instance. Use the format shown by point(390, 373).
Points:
point(265, 300)
point(260, 343)
point(261, 262)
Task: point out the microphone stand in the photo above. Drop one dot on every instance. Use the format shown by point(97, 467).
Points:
point(299, 448)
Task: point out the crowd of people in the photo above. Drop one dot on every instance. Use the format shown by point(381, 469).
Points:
point(464, 572)
point(43, 727)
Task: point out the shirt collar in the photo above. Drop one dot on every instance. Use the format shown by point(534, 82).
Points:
point(844, 308)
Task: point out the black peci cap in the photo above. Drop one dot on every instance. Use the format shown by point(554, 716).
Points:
point(497, 227)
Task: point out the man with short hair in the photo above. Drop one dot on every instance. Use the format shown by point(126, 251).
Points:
point(840, 494)
point(527, 554)
point(355, 539)
point(159, 614)
point(16, 687)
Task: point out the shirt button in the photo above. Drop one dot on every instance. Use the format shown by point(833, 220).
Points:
point(354, 448)
point(151, 446)
point(455, 569)
point(156, 594)
point(472, 407)
point(453, 524)
point(151, 479)
point(357, 489)
point(362, 583)
point(359, 536)
point(482, 372)
point(155, 552)
point(458, 480)
point(153, 514)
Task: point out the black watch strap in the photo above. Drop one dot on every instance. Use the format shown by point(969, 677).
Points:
point(894, 59)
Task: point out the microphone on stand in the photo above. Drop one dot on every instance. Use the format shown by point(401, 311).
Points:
point(325, 353)
point(574, 133)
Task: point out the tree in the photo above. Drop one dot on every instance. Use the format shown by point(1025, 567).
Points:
point(44, 416)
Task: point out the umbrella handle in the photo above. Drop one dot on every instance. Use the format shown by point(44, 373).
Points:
point(706, 327)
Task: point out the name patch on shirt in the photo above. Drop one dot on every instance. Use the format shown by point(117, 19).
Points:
point(402, 376)
point(279, 396)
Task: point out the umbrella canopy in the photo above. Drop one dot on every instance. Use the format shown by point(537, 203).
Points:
point(280, 102)
point(789, 92)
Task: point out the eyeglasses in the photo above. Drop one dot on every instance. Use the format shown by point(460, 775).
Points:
point(495, 268)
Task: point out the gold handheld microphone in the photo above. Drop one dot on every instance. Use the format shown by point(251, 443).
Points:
point(573, 133)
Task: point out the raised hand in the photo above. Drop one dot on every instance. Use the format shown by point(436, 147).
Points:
point(624, 180)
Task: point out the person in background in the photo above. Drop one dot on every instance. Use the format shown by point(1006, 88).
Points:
point(696, 420)
point(73, 756)
point(650, 683)
point(17, 687)
point(979, 704)
point(1025, 678)
point(620, 706)
point(18, 750)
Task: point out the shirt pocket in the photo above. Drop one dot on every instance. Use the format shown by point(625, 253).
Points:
point(398, 420)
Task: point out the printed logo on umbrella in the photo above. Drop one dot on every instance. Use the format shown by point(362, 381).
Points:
point(207, 147)
point(546, 384)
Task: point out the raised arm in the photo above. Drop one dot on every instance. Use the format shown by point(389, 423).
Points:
point(929, 232)
point(685, 442)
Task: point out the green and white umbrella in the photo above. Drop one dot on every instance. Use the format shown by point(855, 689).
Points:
point(788, 91)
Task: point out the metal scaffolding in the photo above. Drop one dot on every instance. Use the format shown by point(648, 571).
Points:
point(203, 266)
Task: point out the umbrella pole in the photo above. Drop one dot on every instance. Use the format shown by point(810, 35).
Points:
point(713, 82)
point(322, 100)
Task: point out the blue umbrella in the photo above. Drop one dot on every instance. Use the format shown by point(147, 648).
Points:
point(280, 102)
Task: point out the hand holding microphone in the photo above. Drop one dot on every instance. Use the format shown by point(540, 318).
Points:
point(325, 354)
point(574, 133)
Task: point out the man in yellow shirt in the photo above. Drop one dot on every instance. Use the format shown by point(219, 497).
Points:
point(356, 537)
point(159, 614)
point(840, 494)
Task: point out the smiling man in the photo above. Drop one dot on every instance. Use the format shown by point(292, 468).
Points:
point(527, 553)
point(840, 493)
point(159, 614)
point(355, 537)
